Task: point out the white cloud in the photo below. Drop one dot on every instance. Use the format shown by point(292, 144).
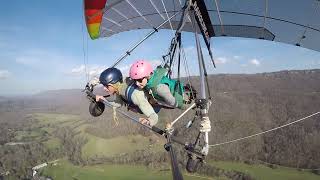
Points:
point(221, 60)
point(4, 74)
point(155, 63)
point(92, 70)
point(95, 71)
point(78, 70)
point(125, 70)
point(255, 62)
point(191, 52)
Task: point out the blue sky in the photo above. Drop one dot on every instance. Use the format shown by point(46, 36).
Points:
point(42, 46)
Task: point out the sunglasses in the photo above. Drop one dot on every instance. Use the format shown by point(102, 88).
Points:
point(139, 80)
point(107, 86)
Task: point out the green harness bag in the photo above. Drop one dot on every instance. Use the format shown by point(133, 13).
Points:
point(160, 76)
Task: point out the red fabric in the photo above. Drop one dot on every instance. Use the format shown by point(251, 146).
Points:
point(93, 10)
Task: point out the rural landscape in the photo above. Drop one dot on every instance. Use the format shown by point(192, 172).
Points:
point(55, 128)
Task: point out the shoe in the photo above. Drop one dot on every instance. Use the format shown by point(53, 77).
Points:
point(189, 94)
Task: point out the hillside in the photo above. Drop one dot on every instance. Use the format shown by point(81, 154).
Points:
point(243, 104)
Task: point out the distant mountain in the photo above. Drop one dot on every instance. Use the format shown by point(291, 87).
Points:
point(2, 98)
point(286, 82)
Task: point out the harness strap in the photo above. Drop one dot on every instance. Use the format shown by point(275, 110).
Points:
point(129, 92)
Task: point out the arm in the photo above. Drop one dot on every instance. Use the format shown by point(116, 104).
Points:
point(114, 100)
point(164, 92)
point(139, 99)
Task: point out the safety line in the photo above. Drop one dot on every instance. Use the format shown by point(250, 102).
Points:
point(84, 50)
point(165, 9)
point(308, 169)
point(218, 144)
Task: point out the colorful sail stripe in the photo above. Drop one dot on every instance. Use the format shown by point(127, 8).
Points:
point(93, 10)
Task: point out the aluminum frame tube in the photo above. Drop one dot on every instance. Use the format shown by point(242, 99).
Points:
point(200, 58)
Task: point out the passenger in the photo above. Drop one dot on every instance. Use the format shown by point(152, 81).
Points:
point(159, 85)
point(127, 93)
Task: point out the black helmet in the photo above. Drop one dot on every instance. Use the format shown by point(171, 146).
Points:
point(110, 76)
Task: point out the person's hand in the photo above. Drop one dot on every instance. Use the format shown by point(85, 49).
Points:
point(144, 121)
point(99, 98)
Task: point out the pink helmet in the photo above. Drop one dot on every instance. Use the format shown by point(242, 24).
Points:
point(140, 69)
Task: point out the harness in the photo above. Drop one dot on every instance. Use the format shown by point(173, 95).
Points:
point(128, 94)
point(160, 76)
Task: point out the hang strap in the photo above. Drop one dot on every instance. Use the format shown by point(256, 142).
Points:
point(129, 92)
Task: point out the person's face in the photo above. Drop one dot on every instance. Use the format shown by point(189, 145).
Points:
point(141, 83)
point(110, 89)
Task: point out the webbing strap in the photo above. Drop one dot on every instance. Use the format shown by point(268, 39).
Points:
point(129, 92)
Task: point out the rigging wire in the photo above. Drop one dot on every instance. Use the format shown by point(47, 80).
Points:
point(303, 169)
point(164, 6)
point(257, 134)
point(264, 19)
point(84, 50)
point(220, 19)
point(186, 66)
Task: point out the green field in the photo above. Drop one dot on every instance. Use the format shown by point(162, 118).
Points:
point(265, 173)
point(119, 145)
point(67, 171)
point(97, 146)
point(47, 123)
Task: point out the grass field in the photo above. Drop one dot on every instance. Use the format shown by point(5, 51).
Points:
point(52, 143)
point(66, 171)
point(265, 173)
point(110, 147)
point(97, 146)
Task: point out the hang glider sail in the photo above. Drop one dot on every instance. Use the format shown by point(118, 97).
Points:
point(293, 22)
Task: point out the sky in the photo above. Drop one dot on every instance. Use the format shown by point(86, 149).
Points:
point(44, 45)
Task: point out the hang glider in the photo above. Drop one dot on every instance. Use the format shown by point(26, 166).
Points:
point(293, 22)
point(260, 19)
